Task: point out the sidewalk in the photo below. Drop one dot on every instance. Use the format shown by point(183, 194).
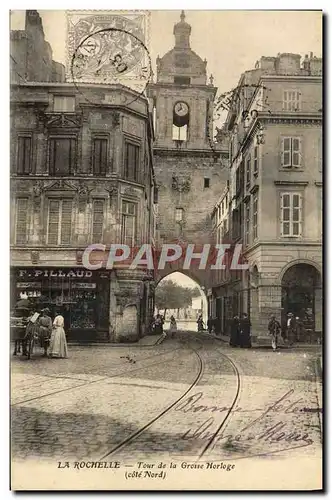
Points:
point(263, 342)
point(147, 341)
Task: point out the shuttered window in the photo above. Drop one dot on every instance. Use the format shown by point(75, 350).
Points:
point(62, 155)
point(97, 221)
point(255, 216)
point(291, 152)
point(59, 222)
point(291, 100)
point(99, 156)
point(291, 214)
point(21, 221)
point(128, 225)
point(131, 161)
point(255, 161)
point(24, 156)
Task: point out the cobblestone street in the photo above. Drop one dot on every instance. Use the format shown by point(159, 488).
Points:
point(181, 392)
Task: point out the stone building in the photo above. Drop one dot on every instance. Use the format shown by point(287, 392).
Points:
point(275, 203)
point(81, 173)
point(190, 166)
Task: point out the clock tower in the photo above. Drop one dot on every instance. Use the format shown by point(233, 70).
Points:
point(191, 169)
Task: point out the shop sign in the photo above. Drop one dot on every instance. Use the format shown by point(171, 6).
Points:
point(54, 273)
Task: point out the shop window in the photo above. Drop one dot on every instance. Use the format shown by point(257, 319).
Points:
point(97, 221)
point(291, 214)
point(291, 100)
point(59, 222)
point(128, 223)
point(99, 156)
point(21, 224)
point(291, 152)
point(64, 104)
point(24, 155)
point(131, 161)
point(62, 155)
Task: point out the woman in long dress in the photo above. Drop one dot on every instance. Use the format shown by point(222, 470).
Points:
point(58, 344)
point(172, 326)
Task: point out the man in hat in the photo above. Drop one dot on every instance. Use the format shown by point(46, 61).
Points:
point(291, 328)
point(45, 329)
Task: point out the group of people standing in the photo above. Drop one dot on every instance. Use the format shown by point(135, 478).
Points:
point(158, 325)
point(51, 335)
point(240, 331)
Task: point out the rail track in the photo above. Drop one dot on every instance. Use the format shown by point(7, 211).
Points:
point(221, 426)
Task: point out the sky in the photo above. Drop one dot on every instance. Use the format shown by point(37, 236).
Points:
point(231, 41)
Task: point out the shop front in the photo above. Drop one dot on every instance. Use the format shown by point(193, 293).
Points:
point(81, 296)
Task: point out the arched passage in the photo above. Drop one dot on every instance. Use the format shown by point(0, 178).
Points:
point(186, 317)
point(302, 295)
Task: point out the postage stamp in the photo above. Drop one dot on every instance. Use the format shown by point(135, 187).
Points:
point(106, 48)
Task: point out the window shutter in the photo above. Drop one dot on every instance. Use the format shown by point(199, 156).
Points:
point(296, 152)
point(66, 221)
point(24, 155)
point(21, 220)
point(286, 152)
point(97, 221)
point(53, 222)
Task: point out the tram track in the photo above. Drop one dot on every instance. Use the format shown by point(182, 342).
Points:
point(166, 410)
point(220, 427)
point(90, 382)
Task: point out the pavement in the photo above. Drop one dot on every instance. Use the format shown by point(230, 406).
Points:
point(181, 391)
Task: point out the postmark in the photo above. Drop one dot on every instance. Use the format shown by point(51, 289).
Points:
point(109, 50)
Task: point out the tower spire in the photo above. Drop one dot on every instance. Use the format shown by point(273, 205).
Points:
point(182, 32)
point(183, 16)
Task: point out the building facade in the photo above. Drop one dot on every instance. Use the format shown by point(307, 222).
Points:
point(81, 173)
point(275, 209)
point(190, 166)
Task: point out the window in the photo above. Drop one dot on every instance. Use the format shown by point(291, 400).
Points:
point(248, 171)
point(255, 216)
point(320, 155)
point(62, 155)
point(128, 223)
point(291, 214)
point(99, 156)
point(97, 221)
point(247, 224)
point(131, 161)
point(291, 152)
point(21, 224)
point(64, 104)
point(24, 155)
point(59, 222)
point(206, 182)
point(179, 214)
point(180, 133)
point(255, 161)
point(291, 100)
point(182, 80)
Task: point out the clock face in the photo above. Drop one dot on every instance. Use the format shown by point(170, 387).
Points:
point(181, 108)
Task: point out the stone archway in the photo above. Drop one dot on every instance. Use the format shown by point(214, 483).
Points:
point(200, 303)
point(301, 294)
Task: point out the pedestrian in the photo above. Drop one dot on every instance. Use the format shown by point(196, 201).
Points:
point(58, 343)
point(158, 325)
point(200, 324)
point(300, 330)
point(274, 329)
point(235, 332)
point(45, 329)
point(245, 331)
point(291, 328)
point(209, 324)
point(172, 326)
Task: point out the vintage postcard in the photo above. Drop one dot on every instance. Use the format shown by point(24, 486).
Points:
point(166, 283)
